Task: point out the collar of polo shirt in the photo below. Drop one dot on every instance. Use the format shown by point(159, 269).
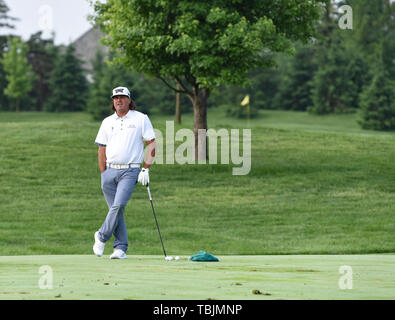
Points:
point(125, 116)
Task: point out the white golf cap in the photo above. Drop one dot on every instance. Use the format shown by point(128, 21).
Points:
point(120, 91)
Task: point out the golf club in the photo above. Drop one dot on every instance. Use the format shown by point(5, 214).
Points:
point(157, 225)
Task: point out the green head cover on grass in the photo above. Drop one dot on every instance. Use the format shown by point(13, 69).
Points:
point(203, 256)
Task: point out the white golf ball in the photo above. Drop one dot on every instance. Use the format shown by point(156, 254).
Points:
point(169, 258)
point(177, 258)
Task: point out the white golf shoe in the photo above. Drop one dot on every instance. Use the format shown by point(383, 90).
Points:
point(118, 254)
point(98, 247)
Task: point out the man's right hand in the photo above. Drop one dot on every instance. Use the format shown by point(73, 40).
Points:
point(143, 177)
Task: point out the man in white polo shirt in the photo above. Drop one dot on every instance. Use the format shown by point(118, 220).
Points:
point(121, 140)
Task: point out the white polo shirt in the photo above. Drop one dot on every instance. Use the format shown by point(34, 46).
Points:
point(124, 137)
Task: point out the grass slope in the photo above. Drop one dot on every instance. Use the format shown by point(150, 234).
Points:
point(233, 278)
point(318, 185)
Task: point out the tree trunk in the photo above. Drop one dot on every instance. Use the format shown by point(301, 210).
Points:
point(199, 101)
point(178, 104)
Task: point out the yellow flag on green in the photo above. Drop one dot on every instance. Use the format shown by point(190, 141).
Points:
point(246, 101)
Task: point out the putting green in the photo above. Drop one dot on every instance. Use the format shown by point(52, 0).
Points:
point(233, 278)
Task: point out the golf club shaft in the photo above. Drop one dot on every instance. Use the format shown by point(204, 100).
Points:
point(156, 221)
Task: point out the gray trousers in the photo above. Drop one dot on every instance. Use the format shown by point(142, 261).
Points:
point(118, 187)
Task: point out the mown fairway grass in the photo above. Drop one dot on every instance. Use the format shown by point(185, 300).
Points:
point(147, 277)
point(318, 185)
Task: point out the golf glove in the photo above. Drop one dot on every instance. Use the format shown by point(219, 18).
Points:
point(143, 177)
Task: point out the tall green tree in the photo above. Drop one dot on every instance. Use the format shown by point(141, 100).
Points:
point(342, 69)
point(389, 41)
point(373, 25)
point(19, 73)
point(378, 102)
point(5, 19)
point(98, 104)
point(4, 103)
point(374, 38)
point(68, 84)
point(337, 84)
point(5, 24)
point(294, 89)
point(42, 54)
point(203, 44)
